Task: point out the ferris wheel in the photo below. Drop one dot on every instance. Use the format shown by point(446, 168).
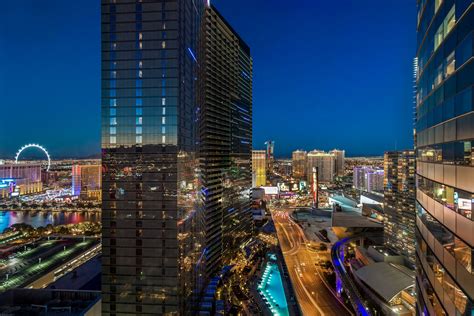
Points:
point(34, 146)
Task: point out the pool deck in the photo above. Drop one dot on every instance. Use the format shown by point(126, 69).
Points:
point(272, 289)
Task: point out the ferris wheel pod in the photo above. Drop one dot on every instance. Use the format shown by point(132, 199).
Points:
point(34, 146)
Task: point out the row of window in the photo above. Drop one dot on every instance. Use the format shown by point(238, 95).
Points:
point(430, 39)
point(462, 303)
point(457, 153)
point(458, 200)
point(151, 102)
point(446, 103)
point(460, 250)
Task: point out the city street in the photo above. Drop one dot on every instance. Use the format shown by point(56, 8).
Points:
point(312, 294)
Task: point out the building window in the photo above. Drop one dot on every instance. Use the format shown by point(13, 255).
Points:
point(450, 65)
point(449, 22)
point(438, 38)
point(113, 139)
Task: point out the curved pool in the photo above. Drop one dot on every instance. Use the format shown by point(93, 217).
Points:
point(272, 291)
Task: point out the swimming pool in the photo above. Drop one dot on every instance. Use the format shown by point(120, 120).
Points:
point(272, 291)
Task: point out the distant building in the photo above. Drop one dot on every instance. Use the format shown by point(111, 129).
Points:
point(270, 155)
point(299, 164)
point(399, 199)
point(259, 176)
point(324, 164)
point(284, 167)
point(368, 179)
point(87, 181)
point(20, 179)
point(340, 161)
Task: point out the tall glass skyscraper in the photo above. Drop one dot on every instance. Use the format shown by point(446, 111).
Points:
point(226, 139)
point(445, 157)
point(399, 202)
point(176, 149)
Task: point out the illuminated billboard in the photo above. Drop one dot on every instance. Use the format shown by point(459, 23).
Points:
point(303, 186)
point(283, 187)
point(271, 190)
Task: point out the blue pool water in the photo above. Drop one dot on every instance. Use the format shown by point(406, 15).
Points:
point(271, 289)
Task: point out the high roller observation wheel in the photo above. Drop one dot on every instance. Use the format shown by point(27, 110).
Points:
point(33, 146)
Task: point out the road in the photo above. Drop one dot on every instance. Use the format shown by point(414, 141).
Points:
point(314, 298)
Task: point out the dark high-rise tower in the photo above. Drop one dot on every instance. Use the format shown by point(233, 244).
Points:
point(399, 205)
point(226, 139)
point(445, 161)
point(176, 148)
point(153, 241)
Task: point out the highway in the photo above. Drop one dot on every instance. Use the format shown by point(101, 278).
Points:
point(313, 297)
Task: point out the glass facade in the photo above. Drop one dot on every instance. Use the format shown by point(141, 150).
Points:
point(153, 240)
point(445, 172)
point(399, 202)
point(176, 152)
point(225, 140)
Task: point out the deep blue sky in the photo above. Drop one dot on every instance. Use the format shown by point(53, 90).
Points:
point(326, 73)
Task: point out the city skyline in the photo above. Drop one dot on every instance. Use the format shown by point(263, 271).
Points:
point(331, 115)
point(241, 158)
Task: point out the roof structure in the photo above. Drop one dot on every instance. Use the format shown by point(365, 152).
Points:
point(387, 280)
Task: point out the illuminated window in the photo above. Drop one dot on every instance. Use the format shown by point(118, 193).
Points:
point(163, 111)
point(449, 21)
point(139, 120)
point(138, 130)
point(163, 44)
point(113, 130)
point(163, 129)
point(163, 139)
point(113, 102)
point(113, 139)
point(450, 65)
point(438, 38)
point(163, 120)
point(163, 101)
point(138, 139)
point(438, 3)
point(113, 121)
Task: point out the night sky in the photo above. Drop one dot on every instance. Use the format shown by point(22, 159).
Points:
point(326, 73)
